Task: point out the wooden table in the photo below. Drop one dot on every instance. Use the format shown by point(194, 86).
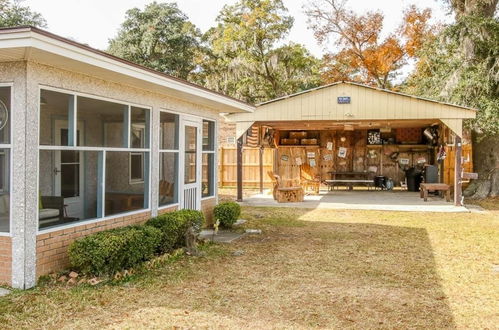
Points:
point(425, 187)
point(349, 180)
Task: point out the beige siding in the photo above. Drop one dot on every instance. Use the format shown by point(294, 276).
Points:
point(366, 104)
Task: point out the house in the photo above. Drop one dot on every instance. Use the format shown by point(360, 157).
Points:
point(347, 133)
point(88, 142)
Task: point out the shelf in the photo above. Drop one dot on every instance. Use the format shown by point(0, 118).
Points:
point(398, 145)
point(297, 145)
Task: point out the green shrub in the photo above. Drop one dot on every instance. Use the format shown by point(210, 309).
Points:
point(110, 251)
point(173, 226)
point(227, 213)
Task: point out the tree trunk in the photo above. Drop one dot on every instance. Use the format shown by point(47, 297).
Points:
point(486, 164)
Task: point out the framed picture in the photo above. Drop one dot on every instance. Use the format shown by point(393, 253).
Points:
point(373, 136)
point(342, 152)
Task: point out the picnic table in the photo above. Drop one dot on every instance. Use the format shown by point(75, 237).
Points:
point(349, 179)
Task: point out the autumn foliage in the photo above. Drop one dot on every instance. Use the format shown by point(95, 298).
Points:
point(362, 55)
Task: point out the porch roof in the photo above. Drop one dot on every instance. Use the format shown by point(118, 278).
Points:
point(361, 103)
point(27, 43)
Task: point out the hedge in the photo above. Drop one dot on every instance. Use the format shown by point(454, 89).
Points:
point(227, 213)
point(173, 226)
point(110, 251)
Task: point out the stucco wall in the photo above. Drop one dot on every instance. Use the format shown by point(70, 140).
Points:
point(41, 75)
point(15, 74)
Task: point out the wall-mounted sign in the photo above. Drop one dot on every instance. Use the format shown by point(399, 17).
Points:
point(310, 154)
point(373, 136)
point(343, 99)
point(342, 152)
point(284, 158)
point(298, 161)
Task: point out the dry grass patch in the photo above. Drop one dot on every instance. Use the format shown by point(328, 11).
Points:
point(309, 269)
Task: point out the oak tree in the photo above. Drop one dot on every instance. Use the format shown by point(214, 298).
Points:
point(363, 55)
point(12, 13)
point(160, 37)
point(244, 56)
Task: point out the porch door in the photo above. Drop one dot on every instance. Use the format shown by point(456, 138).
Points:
point(190, 197)
point(68, 171)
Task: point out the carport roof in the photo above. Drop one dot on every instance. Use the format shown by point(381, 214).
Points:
point(358, 103)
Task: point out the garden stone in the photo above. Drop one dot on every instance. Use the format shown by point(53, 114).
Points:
point(253, 231)
point(239, 222)
point(238, 253)
point(4, 292)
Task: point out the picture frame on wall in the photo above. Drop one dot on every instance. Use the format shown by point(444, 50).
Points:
point(373, 137)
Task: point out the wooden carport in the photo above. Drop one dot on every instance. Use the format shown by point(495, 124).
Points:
point(341, 115)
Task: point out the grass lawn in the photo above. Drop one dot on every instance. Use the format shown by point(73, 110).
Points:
point(309, 268)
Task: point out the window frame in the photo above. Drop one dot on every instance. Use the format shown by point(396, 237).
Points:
point(213, 146)
point(172, 151)
point(9, 147)
point(103, 150)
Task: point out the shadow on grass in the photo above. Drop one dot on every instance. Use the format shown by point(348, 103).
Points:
point(357, 274)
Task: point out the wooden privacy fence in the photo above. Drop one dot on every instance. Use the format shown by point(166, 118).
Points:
point(449, 162)
point(227, 167)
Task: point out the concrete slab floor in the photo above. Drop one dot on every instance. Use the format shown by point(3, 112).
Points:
point(223, 236)
point(363, 200)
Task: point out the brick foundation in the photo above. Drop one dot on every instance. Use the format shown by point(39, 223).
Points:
point(5, 260)
point(51, 248)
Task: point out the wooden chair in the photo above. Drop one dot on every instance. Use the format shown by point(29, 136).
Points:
point(309, 181)
point(285, 194)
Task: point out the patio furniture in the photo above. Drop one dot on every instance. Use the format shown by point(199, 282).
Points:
point(349, 179)
point(117, 202)
point(440, 187)
point(285, 194)
point(309, 181)
point(51, 209)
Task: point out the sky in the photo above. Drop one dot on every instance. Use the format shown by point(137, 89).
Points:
point(94, 22)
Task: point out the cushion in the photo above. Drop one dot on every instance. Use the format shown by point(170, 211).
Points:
point(4, 204)
point(48, 213)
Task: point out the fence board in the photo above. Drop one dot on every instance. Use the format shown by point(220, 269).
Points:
point(227, 167)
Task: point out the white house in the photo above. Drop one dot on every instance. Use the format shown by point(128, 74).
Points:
point(88, 142)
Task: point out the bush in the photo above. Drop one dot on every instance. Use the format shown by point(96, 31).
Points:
point(227, 213)
point(173, 226)
point(110, 251)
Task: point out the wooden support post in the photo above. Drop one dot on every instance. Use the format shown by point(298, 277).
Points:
point(240, 169)
point(458, 189)
point(261, 169)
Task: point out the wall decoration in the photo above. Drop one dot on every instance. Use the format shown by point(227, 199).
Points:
point(342, 152)
point(421, 160)
point(329, 145)
point(372, 154)
point(284, 158)
point(328, 157)
point(310, 154)
point(373, 136)
point(4, 115)
point(298, 161)
point(311, 162)
point(404, 161)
